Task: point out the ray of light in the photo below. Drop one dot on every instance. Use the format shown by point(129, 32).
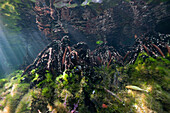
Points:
point(14, 49)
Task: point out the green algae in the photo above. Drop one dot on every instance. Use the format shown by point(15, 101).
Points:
point(24, 105)
point(2, 82)
point(153, 73)
point(13, 98)
point(63, 91)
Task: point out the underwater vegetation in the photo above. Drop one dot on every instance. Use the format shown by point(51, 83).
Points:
point(15, 15)
point(70, 77)
point(139, 87)
point(66, 78)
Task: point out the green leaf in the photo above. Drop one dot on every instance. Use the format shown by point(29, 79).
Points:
point(36, 77)
point(99, 42)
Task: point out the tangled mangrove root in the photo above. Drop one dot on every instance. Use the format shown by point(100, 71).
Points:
point(65, 78)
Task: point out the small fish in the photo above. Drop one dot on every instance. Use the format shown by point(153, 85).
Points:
point(104, 106)
point(99, 42)
point(136, 36)
point(136, 88)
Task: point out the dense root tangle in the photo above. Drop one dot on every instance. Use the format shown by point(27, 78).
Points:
point(155, 45)
point(59, 56)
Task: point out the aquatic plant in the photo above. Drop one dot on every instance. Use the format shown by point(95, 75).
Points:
point(24, 104)
point(152, 74)
point(70, 78)
point(15, 13)
point(2, 82)
point(98, 88)
point(12, 96)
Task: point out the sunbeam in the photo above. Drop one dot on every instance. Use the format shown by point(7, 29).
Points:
point(16, 52)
